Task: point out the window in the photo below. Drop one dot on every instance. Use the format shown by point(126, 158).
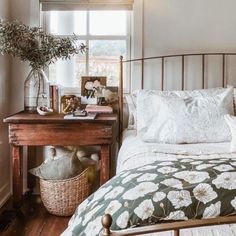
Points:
point(107, 35)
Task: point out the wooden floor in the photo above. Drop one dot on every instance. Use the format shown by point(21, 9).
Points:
point(35, 221)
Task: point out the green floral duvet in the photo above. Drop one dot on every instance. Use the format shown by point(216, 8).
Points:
point(164, 190)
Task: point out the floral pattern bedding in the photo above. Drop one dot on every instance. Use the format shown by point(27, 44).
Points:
point(181, 189)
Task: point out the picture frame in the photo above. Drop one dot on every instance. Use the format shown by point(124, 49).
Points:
point(89, 86)
point(69, 103)
point(112, 97)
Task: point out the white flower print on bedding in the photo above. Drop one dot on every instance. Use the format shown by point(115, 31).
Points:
point(114, 193)
point(147, 177)
point(204, 166)
point(225, 180)
point(124, 174)
point(196, 162)
point(93, 227)
point(165, 163)
point(144, 210)
point(148, 167)
point(113, 207)
point(233, 203)
point(222, 168)
point(233, 163)
point(100, 193)
point(167, 170)
point(204, 193)
point(130, 177)
point(186, 160)
point(82, 206)
point(158, 196)
point(216, 161)
point(179, 198)
point(176, 215)
point(174, 183)
point(140, 190)
point(123, 219)
point(212, 211)
point(90, 214)
point(192, 177)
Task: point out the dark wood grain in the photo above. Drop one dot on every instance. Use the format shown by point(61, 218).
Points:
point(34, 130)
point(36, 221)
point(82, 133)
point(17, 175)
point(31, 164)
point(28, 118)
point(105, 164)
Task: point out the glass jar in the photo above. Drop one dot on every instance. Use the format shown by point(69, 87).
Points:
point(36, 90)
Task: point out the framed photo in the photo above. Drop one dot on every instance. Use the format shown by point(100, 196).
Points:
point(89, 86)
point(111, 96)
point(69, 103)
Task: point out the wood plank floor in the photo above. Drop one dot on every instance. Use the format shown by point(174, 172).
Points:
point(35, 221)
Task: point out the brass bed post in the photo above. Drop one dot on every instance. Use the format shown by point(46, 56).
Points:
point(121, 100)
point(106, 223)
point(176, 232)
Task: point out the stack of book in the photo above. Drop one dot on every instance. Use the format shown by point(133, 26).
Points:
point(98, 109)
point(54, 97)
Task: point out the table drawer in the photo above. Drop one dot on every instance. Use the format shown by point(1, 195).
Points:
point(60, 134)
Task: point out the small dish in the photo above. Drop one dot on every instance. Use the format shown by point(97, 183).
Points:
point(44, 111)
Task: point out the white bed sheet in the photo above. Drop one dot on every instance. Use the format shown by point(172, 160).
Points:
point(135, 153)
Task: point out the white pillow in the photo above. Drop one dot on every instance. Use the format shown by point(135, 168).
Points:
point(146, 94)
point(184, 119)
point(132, 123)
point(231, 122)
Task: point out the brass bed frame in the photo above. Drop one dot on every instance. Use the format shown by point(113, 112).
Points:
point(174, 225)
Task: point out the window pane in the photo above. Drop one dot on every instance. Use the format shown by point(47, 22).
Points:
point(68, 72)
point(68, 22)
point(108, 22)
point(104, 59)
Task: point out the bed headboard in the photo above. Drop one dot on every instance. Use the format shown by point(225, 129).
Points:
point(162, 60)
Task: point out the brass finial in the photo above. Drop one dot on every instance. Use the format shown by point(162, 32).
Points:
point(106, 223)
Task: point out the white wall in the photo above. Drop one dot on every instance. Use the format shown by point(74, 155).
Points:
point(26, 11)
point(4, 111)
point(184, 26)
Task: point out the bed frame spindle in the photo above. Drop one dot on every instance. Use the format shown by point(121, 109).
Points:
point(203, 71)
point(223, 71)
point(183, 85)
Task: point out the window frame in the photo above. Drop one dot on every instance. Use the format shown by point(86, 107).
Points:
point(45, 17)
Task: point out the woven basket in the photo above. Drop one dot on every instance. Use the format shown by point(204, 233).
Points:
point(62, 197)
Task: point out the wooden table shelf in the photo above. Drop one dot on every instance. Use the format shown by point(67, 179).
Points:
point(34, 130)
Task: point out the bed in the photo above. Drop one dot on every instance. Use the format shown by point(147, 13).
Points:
point(162, 183)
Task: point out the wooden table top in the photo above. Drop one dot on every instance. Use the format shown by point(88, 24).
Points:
point(34, 118)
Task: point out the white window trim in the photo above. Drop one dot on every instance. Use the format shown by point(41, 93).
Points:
point(88, 37)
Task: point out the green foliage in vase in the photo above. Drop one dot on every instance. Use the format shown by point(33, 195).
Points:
point(35, 46)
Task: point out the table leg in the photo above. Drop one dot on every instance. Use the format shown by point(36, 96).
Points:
point(17, 175)
point(105, 164)
point(31, 180)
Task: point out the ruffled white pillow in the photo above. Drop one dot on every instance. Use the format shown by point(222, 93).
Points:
point(189, 119)
point(231, 122)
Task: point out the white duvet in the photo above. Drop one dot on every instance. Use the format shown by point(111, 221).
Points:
point(135, 153)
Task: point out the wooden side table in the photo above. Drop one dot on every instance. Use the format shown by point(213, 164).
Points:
point(34, 130)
